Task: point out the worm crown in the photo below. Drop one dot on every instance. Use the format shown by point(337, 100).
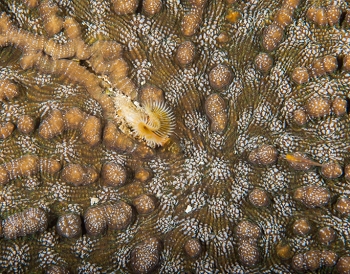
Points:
point(154, 121)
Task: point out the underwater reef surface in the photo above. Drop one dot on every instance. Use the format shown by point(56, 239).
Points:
point(190, 136)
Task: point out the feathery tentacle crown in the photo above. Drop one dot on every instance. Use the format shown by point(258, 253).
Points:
point(154, 121)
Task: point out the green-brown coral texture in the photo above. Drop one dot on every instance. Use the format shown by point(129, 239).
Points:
point(174, 136)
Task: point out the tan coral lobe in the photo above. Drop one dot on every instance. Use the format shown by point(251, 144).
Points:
point(91, 131)
point(122, 7)
point(331, 170)
point(220, 77)
point(298, 262)
point(190, 22)
point(263, 62)
point(4, 177)
point(193, 248)
point(343, 206)
point(52, 125)
point(329, 258)
point(215, 108)
point(31, 3)
point(347, 172)
point(248, 230)
point(343, 265)
point(74, 118)
point(318, 107)
point(185, 53)
point(118, 215)
point(144, 257)
point(263, 155)
point(52, 23)
point(50, 166)
point(339, 106)
point(330, 63)
point(301, 227)
point(272, 37)
point(23, 223)
point(114, 139)
point(326, 235)
point(8, 90)
point(113, 174)
point(248, 253)
point(300, 117)
point(258, 197)
point(300, 75)
point(346, 62)
point(69, 226)
point(284, 251)
point(151, 7)
point(95, 220)
point(71, 28)
point(144, 204)
point(74, 174)
point(149, 93)
point(291, 4)
point(312, 259)
point(6, 129)
point(26, 165)
point(284, 17)
point(143, 174)
point(312, 196)
point(26, 124)
point(317, 15)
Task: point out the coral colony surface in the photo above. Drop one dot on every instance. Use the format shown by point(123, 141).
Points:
point(174, 136)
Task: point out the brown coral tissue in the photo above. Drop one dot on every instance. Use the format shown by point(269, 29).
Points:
point(174, 136)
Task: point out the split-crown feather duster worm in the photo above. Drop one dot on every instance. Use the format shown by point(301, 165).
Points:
point(153, 122)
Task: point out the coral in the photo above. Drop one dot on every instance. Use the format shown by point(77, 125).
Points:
point(215, 108)
point(263, 155)
point(8, 90)
point(317, 107)
point(185, 53)
point(29, 221)
point(331, 170)
point(193, 248)
point(25, 124)
point(326, 235)
point(258, 197)
point(312, 196)
point(6, 129)
point(272, 37)
point(115, 216)
point(113, 174)
point(220, 77)
point(192, 136)
point(69, 225)
point(144, 204)
point(145, 256)
point(343, 205)
point(300, 75)
point(300, 117)
point(263, 62)
point(339, 106)
point(52, 125)
point(343, 265)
